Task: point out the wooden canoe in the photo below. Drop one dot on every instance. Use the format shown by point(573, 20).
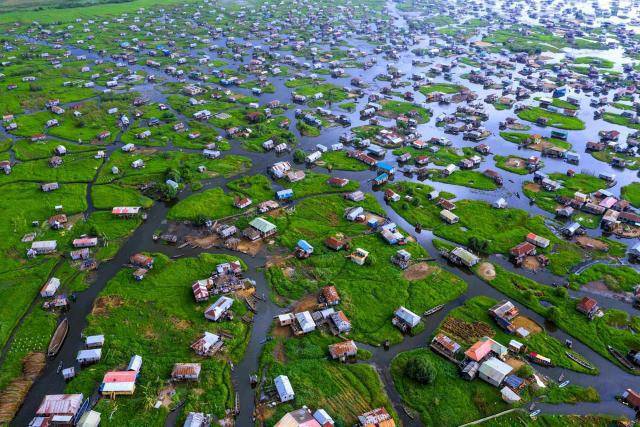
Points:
point(58, 337)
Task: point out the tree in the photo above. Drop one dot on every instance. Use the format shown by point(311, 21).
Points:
point(173, 174)
point(478, 244)
point(553, 314)
point(200, 220)
point(525, 371)
point(420, 369)
point(299, 156)
point(166, 192)
point(562, 292)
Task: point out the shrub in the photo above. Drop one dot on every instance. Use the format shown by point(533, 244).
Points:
point(420, 369)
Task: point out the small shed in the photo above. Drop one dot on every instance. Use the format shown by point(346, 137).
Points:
point(94, 341)
point(86, 357)
point(284, 389)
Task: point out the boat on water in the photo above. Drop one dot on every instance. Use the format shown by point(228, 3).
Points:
point(58, 338)
point(564, 384)
point(579, 361)
point(433, 310)
point(620, 357)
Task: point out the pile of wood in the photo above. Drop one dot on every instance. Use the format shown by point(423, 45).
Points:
point(12, 396)
point(467, 332)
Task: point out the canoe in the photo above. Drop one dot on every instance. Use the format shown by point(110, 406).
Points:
point(58, 338)
point(621, 358)
point(433, 310)
point(579, 361)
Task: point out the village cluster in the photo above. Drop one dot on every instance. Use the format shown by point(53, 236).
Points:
point(301, 213)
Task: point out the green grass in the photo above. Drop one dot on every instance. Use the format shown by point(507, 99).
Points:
point(107, 196)
point(212, 204)
point(449, 400)
point(367, 297)
point(501, 162)
point(477, 219)
point(476, 310)
point(316, 183)
point(158, 320)
point(156, 164)
point(70, 14)
point(556, 120)
point(338, 160)
point(256, 187)
point(618, 119)
point(616, 278)
point(394, 109)
point(467, 178)
point(447, 88)
point(592, 60)
point(596, 334)
point(561, 103)
point(631, 192)
point(343, 390)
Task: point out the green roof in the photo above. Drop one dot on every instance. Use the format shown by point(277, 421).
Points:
point(262, 225)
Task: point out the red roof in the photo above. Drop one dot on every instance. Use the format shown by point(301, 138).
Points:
point(479, 350)
point(524, 248)
point(633, 398)
point(587, 304)
point(120, 377)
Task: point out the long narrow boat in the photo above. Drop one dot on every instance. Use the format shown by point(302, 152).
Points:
point(579, 361)
point(433, 310)
point(623, 360)
point(58, 337)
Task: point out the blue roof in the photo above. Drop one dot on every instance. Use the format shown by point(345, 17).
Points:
point(305, 246)
point(285, 193)
point(384, 166)
point(513, 381)
point(382, 177)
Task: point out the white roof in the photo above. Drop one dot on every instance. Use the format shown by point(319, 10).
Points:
point(407, 316)
point(94, 353)
point(283, 386)
point(509, 395)
point(135, 363)
point(495, 369)
point(89, 419)
point(322, 417)
point(118, 387)
point(94, 339)
point(306, 322)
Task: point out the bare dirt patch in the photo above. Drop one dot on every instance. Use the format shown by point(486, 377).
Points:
point(245, 293)
point(308, 302)
point(103, 305)
point(149, 333)
point(531, 263)
point(278, 352)
point(204, 242)
point(419, 271)
point(276, 260)
point(532, 186)
point(596, 286)
point(487, 271)
point(514, 363)
point(288, 272)
point(528, 324)
point(165, 396)
point(250, 248)
point(281, 331)
point(514, 162)
point(587, 242)
point(180, 324)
